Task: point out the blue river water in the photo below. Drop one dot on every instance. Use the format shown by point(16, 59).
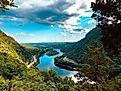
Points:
point(47, 63)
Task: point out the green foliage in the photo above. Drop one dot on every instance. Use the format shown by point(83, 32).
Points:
point(64, 62)
point(56, 45)
point(108, 15)
point(4, 84)
point(32, 50)
point(100, 65)
point(10, 66)
point(15, 76)
point(99, 69)
point(52, 52)
point(22, 53)
point(77, 50)
point(5, 3)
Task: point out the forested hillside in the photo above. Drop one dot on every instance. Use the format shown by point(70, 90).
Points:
point(97, 56)
point(8, 46)
point(20, 52)
point(77, 50)
point(15, 76)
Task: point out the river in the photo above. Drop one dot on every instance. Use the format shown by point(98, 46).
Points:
point(47, 63)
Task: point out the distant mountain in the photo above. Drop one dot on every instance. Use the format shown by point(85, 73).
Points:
point(56, 45)
point(76, 50)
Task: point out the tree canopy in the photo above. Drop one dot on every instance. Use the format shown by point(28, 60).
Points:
point(6, 3)
point(108, 15)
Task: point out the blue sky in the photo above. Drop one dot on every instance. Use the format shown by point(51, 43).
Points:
point(48, 20)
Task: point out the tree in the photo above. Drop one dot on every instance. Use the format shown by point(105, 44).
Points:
point(99, 66)
point(108, 15)
point(6, 3)
point(99, 69)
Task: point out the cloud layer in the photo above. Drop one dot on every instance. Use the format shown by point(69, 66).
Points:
point(50, 11)
point(65, 13)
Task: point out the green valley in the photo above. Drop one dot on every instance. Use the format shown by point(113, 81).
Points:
point(60, 45)
point(14, 74)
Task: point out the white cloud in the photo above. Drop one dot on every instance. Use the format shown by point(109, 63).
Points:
point(32, 35)
point(73, 29)
point(79, 9)
point(67, 13)
point(110, 18)
point(24, 34)
point(29, 8)
point(29, 4)
point(63, 33)
point(72, 20)
point(52, 26)
point(12, 18)
point(21, 33)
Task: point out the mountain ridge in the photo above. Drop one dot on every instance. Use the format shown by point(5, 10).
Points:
point(76, 50)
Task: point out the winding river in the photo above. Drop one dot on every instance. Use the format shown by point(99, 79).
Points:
point(47, 63)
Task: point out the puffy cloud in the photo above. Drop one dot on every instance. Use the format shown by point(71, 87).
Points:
point(79, 8)
point(66, 13)
point(50, 11)
point(26, 4)
point(41, 11)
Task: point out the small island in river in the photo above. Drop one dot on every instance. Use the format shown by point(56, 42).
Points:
point(52, 52)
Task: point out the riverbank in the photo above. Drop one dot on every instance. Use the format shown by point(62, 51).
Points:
point(66, 67)
point(45, 51)
point(47, 63)
point(66, 63)
point(52, 52)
